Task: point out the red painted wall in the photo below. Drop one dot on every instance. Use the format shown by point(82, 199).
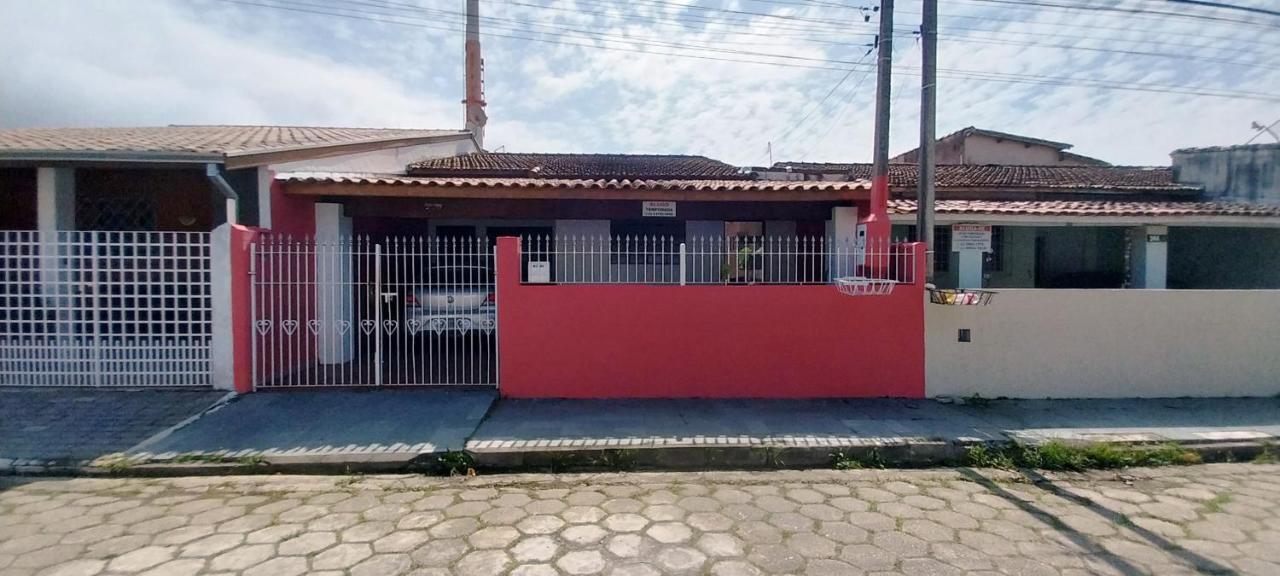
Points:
point(292, 215)
point(241, 314)
point(637, 341)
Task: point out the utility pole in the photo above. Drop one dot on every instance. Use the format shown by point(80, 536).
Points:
point(928, 122)
point(877, 222)
point(474, 118)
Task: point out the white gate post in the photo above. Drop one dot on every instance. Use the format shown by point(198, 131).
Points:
point(221, 348)
point(333, 288)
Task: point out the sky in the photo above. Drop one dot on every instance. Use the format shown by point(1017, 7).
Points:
point(732, 80)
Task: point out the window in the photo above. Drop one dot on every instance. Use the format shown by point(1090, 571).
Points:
point(941, 246)
point(651, 241)
point(994, 260)
point(115, 212)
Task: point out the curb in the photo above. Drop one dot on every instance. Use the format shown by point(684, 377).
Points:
point(916, 454)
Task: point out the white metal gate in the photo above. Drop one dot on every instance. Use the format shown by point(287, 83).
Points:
point(104, 308)
point(363, 312)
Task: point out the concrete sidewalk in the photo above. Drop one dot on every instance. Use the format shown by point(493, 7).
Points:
point(729, 433)
point(369, 428)
point(61, 427)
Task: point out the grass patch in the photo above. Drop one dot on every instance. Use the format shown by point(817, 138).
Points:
point(254, 460)
point(1218, 501)
point(1073, 457)
point(1267, 455)
point(872, 459)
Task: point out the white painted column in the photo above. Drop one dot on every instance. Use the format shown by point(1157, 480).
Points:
point(969, 269)
point(55, 213)
point(333, 286)
point(844, 239)
point(1148, 263)
point(265, 176)
point(55, 199)
point(591, 236)
point(221, 348)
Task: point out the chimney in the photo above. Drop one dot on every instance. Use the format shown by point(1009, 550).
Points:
point(475, 116)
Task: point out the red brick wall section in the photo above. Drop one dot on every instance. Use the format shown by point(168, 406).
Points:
point(638, 341)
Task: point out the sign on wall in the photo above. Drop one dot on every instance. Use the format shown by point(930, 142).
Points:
point(971, 237)
point(658, 209)
point(539, 272)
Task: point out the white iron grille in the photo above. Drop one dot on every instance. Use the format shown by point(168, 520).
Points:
point(89, 308)
point(360, 312)
point(716, 260)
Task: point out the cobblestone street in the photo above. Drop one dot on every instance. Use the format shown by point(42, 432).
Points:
point(1221, 519)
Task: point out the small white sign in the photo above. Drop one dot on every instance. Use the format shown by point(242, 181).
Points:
point(539, 272)
point(655, 209)
point(971, 237)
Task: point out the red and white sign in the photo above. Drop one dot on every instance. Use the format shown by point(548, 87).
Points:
point(971, 237)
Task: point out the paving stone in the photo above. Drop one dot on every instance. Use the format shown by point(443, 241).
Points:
point(242, 557)
point(210, 545)
point(734, 568)
point(493, 537)
point(625, 545)
point(307, 544)
point(535, 549)
point(141, 559)
point(774, 558)
point(625, 522)
point(582, 562)
point(540, 524)
point(383, 565)
point(634, 570)
point(183, 567)
point(273, 534)
point(282, 566)
point(439, 552)
point(342, 556)
point(535, 570)
point(81, 567)
point(483, 563)
point(400, 541)
point(721, 544)
point(669, 532)
point(680, 559)
point(583, 534)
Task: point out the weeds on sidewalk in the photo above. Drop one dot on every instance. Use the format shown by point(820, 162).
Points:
point(872, 459)
point(455, 463)
point(1071, 457)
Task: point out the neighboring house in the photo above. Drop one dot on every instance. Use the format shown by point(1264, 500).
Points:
point(489, 194)
point(178, 178)
point(1248, 173)
point(1082, 226)
point(976, 146)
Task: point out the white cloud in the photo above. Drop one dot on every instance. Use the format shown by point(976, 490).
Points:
point(96, 62)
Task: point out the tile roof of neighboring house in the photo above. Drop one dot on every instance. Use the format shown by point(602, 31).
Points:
point(991, 177)
point(1007, 136)
point(1151, 208)
point(588, 166)
point(1258, 146)
point(573, 183)
point(201, 141)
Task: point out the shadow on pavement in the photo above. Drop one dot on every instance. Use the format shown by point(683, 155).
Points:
point(1086, 542)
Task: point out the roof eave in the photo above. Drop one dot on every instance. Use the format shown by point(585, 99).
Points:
point(62, 157)
point(258, 157)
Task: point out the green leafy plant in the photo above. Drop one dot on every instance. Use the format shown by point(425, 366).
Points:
point(872, 459)
point(616, 460)
point(457, 463)
point(1215, 505)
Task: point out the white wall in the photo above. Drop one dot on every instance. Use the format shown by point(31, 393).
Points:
point(980, 149)
point(1107, 343)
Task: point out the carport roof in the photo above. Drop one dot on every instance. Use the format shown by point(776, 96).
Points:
point(243, 145)
point(359, 184)
point(1147, 211)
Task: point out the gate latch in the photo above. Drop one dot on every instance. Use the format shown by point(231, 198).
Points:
point(388, 297)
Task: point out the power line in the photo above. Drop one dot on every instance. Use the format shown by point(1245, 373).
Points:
point(1119, 9)
point(795, 61)
point(1228, 6)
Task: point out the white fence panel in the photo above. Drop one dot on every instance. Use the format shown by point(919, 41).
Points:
point(717, 260)
point(359, 312)
point(92, 308)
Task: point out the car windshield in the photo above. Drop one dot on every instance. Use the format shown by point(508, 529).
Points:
point(460, 275)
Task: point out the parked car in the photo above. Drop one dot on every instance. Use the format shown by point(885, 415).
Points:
point(451, 299)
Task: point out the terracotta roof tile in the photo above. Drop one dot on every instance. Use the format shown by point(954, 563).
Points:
point(573, 183)
point(210, 140)
point(1090, 208)
point(1119, 178)
point(589, 166)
